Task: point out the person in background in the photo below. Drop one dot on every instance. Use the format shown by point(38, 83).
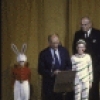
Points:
point(92, 38)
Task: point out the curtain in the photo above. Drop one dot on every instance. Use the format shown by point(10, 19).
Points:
point(30, 22)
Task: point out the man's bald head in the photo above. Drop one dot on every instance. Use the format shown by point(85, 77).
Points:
point(85, 18)
point(86, 24)
point(53, 41)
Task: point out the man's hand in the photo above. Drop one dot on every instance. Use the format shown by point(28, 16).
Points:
point(56, 72)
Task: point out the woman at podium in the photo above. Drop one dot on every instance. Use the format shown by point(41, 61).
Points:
point(82, 64)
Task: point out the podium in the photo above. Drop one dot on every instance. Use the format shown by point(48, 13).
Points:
point(64, 81)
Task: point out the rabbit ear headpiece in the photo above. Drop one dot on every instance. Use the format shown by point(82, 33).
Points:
point(20, 55)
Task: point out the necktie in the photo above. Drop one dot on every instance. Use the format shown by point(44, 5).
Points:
point(57, 65)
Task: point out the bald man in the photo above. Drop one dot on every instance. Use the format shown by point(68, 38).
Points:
point(52, 60)
point(92, 38)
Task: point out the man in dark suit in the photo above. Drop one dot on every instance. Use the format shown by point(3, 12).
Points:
point(51, 61)
point(92, 38)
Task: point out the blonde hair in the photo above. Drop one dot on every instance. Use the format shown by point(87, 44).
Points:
point(81, 42)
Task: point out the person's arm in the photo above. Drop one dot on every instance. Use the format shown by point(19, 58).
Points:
point(42, 70)
point(73, 64)
point(97, 53)
point(90, 71)
point(68, 61)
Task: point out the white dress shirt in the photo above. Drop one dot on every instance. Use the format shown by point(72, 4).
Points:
point(88, 32)
point(57, 53)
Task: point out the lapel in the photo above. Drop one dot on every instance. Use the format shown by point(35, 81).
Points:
point(49, 55)
point(91, 34)
point(50, 58)
point(82, 34)
point(93, 37)
point(60, 54)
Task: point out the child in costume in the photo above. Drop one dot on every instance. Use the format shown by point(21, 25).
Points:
point(82, 64)
point(21, 75)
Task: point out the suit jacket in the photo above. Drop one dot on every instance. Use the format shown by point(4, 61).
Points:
point(45, 67)
point(92, 44)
